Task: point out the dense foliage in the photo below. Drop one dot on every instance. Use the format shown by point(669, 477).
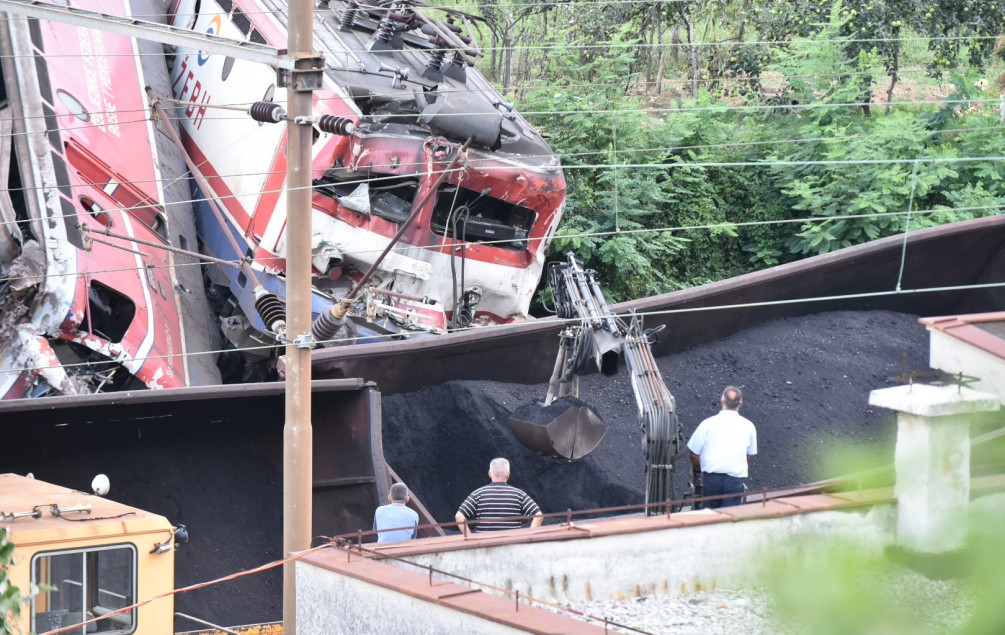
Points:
point(707, 139)
point(11, 600)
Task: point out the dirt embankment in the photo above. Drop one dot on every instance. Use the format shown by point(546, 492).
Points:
point(806, 384)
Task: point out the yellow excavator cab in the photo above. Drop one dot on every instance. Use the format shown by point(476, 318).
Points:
point(90, 557)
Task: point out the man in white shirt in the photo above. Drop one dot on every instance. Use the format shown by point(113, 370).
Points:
point(720, 446)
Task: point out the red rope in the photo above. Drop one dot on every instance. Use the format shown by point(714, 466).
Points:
point(264, 567)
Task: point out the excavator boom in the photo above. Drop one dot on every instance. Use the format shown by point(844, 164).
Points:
point(565, 427)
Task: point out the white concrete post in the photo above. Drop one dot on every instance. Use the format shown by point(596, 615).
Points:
point(932, 462)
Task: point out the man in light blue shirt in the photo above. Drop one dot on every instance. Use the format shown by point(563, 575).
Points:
point(395, 521)
point(720, 446)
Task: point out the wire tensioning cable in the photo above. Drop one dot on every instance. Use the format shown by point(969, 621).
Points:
point(363, 340)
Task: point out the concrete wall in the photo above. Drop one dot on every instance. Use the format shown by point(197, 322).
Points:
point(352, 592)
point(949, 354)
point(673, 560)
point(330, 603)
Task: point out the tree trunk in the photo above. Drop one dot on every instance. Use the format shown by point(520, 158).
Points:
point(659, 76)
point(743, 20)
point(893, 78)
point(523, 64)
point(507, 63)
point(692, 58)
point(867, 95)
point(646, 56)
point(675, 43)
point(657, 49)
point(493, 58)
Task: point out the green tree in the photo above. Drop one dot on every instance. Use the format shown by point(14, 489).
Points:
point(834, 179)
point(11, 600)
point(621, 199)
point(508, 21)
point(961, 30)
point(660, 199)
point(864, 26)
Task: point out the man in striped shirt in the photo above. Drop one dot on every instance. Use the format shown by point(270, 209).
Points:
point(497, 506)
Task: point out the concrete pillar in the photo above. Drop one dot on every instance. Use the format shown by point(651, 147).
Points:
point(932, 462)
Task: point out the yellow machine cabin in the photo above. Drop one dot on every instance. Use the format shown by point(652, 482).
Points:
point(94, 557)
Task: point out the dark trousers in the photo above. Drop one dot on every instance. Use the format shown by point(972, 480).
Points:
point(719, 484)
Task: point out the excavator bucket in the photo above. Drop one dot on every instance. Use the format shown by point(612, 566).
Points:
point(568, 428)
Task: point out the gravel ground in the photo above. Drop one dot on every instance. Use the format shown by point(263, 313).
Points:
point(913, 604)
point(708, 613)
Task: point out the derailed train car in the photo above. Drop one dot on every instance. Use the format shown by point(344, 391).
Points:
point(89, 302)
point(401, 101)
point(100, 295)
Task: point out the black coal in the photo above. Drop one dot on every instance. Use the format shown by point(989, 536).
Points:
point(806, 384)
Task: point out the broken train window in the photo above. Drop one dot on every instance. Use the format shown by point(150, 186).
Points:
point(475, 217)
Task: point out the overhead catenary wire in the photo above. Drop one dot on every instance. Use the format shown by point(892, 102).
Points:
point(364, 340)
point(603, 46)
point(754, 163)
point(715, 108)
point(237, 263)
point(726, 43)
point(679, 109)
point(760, 107)
point(543, 4)
point(620, 151)
point(613, 166)
point(708, 226)
point(531, 86)
point(767, 76)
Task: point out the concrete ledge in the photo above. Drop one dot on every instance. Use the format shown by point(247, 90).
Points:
point(863, 497)
point(924, 400)
point(636, 555)
point(470, 610)
point(767, 509)
point(625, 557)
point(962, 327)
point(596, 528)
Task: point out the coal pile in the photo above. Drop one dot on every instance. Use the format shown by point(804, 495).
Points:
point(806, 383)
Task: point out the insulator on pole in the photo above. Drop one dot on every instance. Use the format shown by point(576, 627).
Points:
point(336, 125)
point(384, 32)
point(267, 112)
point(271, 310)
point(328, 322)
point(349, 16)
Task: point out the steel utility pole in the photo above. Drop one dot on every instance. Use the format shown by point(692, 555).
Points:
point(298, 443)
point(301, 72)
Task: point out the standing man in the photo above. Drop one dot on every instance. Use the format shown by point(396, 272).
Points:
point(497, 506)
point(720, 447)
point(395, 521)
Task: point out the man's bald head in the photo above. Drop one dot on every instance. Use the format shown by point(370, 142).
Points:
point(732, 398)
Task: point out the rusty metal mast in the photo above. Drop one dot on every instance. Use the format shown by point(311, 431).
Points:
point(298, 442)
point(300, 71)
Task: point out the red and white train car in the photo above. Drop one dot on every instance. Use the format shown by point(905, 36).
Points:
point(89, 302)
point(474, 251)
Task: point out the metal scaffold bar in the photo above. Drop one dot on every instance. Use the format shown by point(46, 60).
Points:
point(152, 31)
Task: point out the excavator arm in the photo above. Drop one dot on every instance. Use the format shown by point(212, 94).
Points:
point(594, 337)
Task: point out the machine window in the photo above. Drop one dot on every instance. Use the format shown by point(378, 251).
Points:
point(81, 585)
